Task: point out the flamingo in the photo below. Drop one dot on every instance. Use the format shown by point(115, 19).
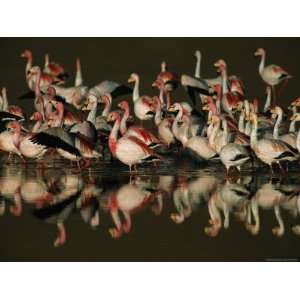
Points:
point(288, 138)
point(166, 82)
point(139, 132)
point(164, 125)
point(229, 100)
point(271, 74)
point(54, 69)
point(13, 109)
point(128, 149)
point(269, 151)
point(24, 143)
point(143, 105)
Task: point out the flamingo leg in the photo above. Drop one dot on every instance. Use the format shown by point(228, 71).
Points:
point(61, 237)
point(127, 225)
point(7, 162)
point(279, 230)
point(274, 96)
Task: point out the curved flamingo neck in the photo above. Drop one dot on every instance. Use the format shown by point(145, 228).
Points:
point(92, 114)
point(46, 60)
point(213, 134)
point(60, 114)
point(161, 96)
point(5, 101)
point(177, 118)
point(113, 137)
point(123, 125)
point(37, 84)
point(198, 66)
point(224, 81)
point(78, 77)
point(242, 122)
point(298, 140)
point(107, 108)
point(29, 63)
point(277, 124)
point(136, 90)
point(253, 135)
point(262, 63)
point(37, 126)
point(16, 135)
point(268, 101)
point(292, 127)
point(225, 129)
point(158, 117)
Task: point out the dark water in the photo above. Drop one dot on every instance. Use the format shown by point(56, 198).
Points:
point(161, 213)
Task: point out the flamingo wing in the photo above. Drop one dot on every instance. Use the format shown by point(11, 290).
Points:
point(142, 145)
point(52, 141)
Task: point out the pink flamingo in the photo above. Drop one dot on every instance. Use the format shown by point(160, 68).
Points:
point(271, 74)
point(140, 132)
point(128, 149)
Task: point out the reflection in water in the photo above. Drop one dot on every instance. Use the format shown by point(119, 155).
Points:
point(54, 195)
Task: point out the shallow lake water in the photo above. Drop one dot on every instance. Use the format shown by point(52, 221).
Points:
point(172, 211)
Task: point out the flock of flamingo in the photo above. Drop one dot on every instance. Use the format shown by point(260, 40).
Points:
point(219, 123)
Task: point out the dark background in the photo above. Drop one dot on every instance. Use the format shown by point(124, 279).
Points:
point(116, 58)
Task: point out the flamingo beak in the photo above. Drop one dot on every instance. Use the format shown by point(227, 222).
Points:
point(130, 79)
point(257, 53)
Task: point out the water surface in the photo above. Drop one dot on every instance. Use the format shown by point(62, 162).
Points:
point(174, 211)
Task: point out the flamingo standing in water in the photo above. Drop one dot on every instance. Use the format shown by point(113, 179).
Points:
point(271, 74)
point(139, 132)
point(144, 107)
point(128, 149)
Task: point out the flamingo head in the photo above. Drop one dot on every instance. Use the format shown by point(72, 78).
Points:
point(217, 89)
point(275, 111)
point(175, 107)
point(35, 70)
point(163, 66)
point(91, 99)
point(252, 117)
point(296, 102)
point(26, 54)
point(197, 54)
point(220, 65)
point(106, 99)
point(51, 92)
point(13, 125)
point(36, 116)
point(295, 117)
point(187, 109)
point(124, 105)
point(240, 106)
point(259, 52)
point(113, 116)
point(214, 120)
point(133, 78)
